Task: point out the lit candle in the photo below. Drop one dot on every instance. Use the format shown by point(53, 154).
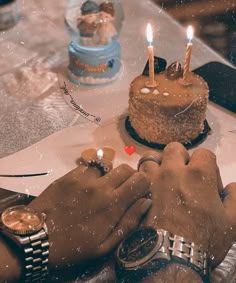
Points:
point(188, 53)
point(149, 33)
point(101, 158)
point(99, 154)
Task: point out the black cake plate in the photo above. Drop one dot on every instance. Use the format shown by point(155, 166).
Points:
point(193, 143)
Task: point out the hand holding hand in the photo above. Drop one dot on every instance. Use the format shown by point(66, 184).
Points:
point(186, 199)
point(88, 215)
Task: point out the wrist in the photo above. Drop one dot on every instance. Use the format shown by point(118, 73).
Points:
point(24, 245)
point(156, 251)
point(10, 265)
point(174, 273)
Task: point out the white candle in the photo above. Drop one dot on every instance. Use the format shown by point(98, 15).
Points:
point(149, 34)
point(188, 52)
point(99, 154)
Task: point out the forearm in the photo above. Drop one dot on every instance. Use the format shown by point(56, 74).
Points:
point(10, 267)
point(174, 273)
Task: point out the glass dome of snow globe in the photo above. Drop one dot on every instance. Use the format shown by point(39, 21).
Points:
point(94, 52)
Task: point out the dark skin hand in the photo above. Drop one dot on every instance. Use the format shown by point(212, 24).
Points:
point(88, 215)
point(186, 200)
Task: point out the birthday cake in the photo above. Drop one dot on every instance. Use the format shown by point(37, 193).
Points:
point(172, 111)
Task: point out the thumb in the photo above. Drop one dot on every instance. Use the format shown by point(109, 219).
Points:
point(127, 224)
point(229, 203)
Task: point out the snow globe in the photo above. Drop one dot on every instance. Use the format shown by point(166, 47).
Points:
point(94, 52)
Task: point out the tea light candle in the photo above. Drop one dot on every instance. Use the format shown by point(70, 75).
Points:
point(101, 158)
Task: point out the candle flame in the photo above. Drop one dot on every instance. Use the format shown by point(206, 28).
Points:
point(99, 154)
point(149, 33)
point(190, 33)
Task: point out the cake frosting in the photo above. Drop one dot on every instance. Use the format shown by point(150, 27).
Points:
point(172, 111)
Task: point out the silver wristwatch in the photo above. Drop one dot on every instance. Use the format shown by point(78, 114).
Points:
point(26, 227)
point(147, 250)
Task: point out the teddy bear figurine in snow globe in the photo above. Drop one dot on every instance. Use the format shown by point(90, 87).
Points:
point(94, 53)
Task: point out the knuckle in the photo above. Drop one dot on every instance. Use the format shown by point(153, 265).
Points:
point(195, 171)
point(172, 169)
point(231, 185)
point(142, 177)
point(174, 146)
point(125, 167)
point(89, 190)
point(205, 152)
point(67, 183)
point(200, 177)
point(168, 174)
point(115, 196)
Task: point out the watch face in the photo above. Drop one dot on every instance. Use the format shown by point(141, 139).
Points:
point(139, 246)
point(22, 220)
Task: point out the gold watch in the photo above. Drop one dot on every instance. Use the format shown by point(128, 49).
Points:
point(27, 228)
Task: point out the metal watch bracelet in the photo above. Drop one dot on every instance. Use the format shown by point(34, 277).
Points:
point(189, 254)
point(36, 254)
point(176, 249)
point(148, 250)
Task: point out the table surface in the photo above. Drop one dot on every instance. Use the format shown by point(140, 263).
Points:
point(40, 132)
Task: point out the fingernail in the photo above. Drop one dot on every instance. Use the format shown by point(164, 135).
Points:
point(146, 205)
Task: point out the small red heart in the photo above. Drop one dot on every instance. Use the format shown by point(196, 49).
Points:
point(130, 149)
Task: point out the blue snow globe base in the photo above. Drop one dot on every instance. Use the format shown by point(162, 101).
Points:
point(94, 53)
point(94, 66)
